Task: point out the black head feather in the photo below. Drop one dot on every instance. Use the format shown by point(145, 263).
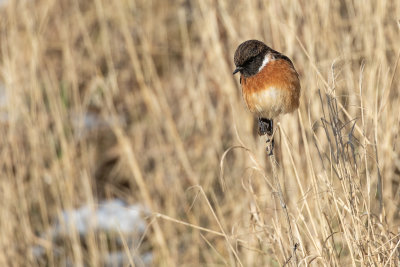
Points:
point(250, 55)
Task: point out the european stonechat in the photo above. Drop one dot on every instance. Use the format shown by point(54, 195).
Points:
point(270, 83)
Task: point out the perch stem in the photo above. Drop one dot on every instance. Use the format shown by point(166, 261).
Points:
point(274, 163)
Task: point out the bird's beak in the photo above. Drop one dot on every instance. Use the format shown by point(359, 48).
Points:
point(237, 70)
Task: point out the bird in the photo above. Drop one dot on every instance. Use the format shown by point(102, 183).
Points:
point(269, 81)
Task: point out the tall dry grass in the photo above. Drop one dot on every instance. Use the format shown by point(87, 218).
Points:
point(159, 75)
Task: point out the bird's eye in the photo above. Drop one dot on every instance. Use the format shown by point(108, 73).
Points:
point(249, 61)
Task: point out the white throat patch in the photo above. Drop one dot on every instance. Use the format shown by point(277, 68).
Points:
point(267, 58)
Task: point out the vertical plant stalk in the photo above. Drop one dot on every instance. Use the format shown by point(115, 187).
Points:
point(274, 164)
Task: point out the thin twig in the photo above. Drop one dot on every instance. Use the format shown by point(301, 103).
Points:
point(296, 245)
point(274, 163)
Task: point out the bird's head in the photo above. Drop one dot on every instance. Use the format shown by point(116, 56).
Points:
point(250, 57)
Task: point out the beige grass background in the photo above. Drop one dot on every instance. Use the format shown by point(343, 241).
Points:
point(159, 75)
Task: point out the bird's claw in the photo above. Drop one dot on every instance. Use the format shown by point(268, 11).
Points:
point(265, 126)
point(270, 145)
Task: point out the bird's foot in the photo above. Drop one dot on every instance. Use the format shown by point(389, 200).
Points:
point(270, 145)
point(265, 126)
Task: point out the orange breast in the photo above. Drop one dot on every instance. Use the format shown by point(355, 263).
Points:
point(273, 91)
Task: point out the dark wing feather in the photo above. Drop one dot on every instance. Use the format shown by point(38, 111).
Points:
point(278, 55)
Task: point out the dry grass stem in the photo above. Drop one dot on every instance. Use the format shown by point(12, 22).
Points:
point(133, 104)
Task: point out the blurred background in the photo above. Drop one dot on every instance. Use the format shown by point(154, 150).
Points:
point(121, 121)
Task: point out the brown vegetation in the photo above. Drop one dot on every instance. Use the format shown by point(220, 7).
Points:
point(170, 123)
